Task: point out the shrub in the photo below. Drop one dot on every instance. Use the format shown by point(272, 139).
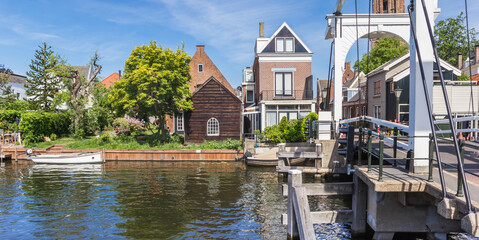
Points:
point(294, 131)
point(226, 144)
point(36, 125)
point(176, 138)
point(128, 124)
point(273, 134)
point(104, 138)
point(53, 137)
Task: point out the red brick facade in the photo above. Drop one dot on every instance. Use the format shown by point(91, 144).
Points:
point(209, 69)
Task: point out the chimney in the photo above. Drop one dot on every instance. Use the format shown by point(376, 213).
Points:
point(119, 73)
point(476, 56)
point(200, 49)
point(347, 65)
point(459, 61)
point(261, 29)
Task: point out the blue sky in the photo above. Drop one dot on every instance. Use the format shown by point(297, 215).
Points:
point(75, 29)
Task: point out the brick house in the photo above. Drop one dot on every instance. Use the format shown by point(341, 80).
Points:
point(472, 63)
point(210, 92)
point(279, 84)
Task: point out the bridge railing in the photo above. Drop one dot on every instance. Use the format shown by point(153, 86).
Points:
point(405, 128)
point(368, 149)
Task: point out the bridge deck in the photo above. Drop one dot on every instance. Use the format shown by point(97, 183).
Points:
point(398, 178)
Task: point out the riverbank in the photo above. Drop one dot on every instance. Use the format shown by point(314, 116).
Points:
point(135, 155)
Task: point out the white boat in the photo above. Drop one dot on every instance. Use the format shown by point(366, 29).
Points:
point(72, 158)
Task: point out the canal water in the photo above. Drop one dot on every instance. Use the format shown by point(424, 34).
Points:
point(144, 200)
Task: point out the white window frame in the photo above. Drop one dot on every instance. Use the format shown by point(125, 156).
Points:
point(180, 121)
point(283, 91)
point(284, 45)
point(202, 69)
point(212, 130)
point(246, 95)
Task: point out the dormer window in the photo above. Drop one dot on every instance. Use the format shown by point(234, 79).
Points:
point(284, 44)
point(200, 68)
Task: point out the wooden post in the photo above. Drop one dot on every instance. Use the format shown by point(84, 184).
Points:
point(381, 156)
point(431, 157)
point(395, 146)
point(459, 175)
point(369, 149)
point(360, 202)
point(295, 178)
point(15, 155)
point(360, 146)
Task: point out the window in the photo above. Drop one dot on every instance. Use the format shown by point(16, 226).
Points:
point(249, 96)
point(284, 84)
point(377, 111)
point(248, 76)
point(377, 87)
point(279, 44)
point(385, 6)
point(200, 67)
point(212, 127)
point(179, 122)
point(284, 44)
point(270, 119)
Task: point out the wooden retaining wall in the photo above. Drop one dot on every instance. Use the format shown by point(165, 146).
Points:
point(143, 155)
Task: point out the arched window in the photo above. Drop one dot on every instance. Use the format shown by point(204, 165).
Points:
point(213, 127)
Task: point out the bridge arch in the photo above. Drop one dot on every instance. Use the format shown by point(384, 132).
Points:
point(342, 29)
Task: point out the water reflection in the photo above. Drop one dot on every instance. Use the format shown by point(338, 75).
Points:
point(141, 200)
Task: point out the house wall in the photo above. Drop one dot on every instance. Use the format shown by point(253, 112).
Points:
point(209, 69)
point(380, 100)
point(266, 76)
point(459, 98)
point(213, 101)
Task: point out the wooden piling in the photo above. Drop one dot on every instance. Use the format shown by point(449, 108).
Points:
point(295, 178)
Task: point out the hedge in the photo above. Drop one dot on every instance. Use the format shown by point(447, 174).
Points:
point(36, 125)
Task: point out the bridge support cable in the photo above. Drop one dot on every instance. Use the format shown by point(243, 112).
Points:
point(469, 56)
point(448, 108)
point(367, 58)
point(357, 57)
point(410, 8)
point(328, 94)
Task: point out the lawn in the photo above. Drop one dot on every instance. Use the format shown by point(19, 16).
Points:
point(150, 142)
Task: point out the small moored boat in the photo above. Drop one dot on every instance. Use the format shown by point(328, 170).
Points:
point(72, 158)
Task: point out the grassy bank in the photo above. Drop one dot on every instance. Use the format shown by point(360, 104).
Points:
point(150, 142)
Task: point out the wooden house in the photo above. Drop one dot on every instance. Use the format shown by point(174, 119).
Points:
point(216, 114)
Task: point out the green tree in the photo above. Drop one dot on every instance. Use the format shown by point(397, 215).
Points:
point(385, 50)
point(451, 38)
point(155, 84)
point(42, 84)
point(6, 94)
point(78, 89)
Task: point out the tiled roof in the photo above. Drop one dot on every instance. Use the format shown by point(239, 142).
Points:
point(108, 81)
point(14, 78)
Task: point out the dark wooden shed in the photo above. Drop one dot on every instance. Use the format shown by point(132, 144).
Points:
point(216, 114)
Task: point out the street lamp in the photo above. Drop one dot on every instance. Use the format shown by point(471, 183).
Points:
point(397, 92)
point(324, 94)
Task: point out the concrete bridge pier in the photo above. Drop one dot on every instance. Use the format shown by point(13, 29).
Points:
point(397, 205)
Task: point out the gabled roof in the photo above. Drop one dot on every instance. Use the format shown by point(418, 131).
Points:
point(209, 69)
point(15, 78)
point(84, 70)
point(280, 30)
point(220, 84)
point(353, 82)
point(108, 81)
point(388, 65)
